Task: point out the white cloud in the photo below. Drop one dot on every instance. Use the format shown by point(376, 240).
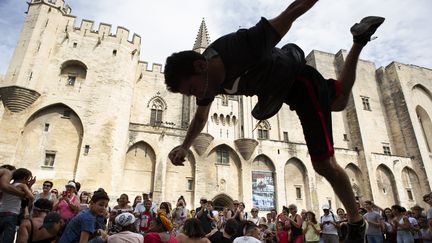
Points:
point(167, 26)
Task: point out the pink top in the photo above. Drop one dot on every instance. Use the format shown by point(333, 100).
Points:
point(154, 237)
point(283, 236)
point(64, 210)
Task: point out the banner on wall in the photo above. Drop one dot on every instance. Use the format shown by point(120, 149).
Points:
point(263, 193)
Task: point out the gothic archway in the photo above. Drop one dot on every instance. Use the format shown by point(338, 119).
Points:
point(222, 200)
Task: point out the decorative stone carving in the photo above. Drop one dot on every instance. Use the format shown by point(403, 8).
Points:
point(17, 99)
point(246, 146)
point(202, 142)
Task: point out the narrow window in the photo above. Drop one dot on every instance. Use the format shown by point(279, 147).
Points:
point(285, 135)
point(75, 45)
point(46, 127)
point(410, 194)
point(366, 104)
point(114, 52)
point(190, 184)
point(298, 192)
point(86, 149)
point(345, 137)
point(49, 158)
point(156, 117)
point(71, 80)
point(262, 133)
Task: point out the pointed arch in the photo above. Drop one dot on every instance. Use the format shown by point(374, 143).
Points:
point(425, 125)
point(51, 139)
point(139, 168)
point(263, 183)
point(422, 89)
point(411, 184)
point(356, 178)
point(297, 183)
point(263, 162)
point(221, 201)
point(386, 183)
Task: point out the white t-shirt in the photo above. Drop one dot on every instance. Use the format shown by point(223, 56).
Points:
point(126, 237)
point(246, 239)
point(429, 213)
point(329, 229)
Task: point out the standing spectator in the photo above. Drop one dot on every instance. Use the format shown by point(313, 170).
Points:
point(311, 228)
point(54, 193)
point(84, 200)
point(373, 232)
point(160, 228)
point(192, 232)
point(121, 207)
point(232, 212)
point(148, 196)
point(388, 228)
point(180, 214)
point(68, 204)
point(137, 200)
point(213, 214)
point(166, 208)
point(271, 222)
point(83, 227)
point(46, 192)
point(343, 224)
point(329, 226)
point(126, 234)
point(6, 172)
point(402, 224)
point(145, 215)
point(31, 230)
point(296, 222)
point(425, 231)
point(204, 216)
point(225, 236)
point(283, 217)
point(428, 199)
point(10, 206)
point(254, 216)
point(417, 213)
point(282, 234)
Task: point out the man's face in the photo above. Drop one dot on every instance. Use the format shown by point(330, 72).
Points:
point(326, 211)
point(196, 85)
point(145, 197)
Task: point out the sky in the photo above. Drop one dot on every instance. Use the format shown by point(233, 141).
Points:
point(168, 26)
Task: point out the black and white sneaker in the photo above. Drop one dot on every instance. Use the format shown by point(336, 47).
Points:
point(356, 232)
point(363, 31)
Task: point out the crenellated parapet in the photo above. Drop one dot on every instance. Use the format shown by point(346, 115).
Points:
point(155, 68)
point(103, 33)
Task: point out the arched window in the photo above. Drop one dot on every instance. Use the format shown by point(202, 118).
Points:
point(157, 108)
point(263, 130)
point(73, 71)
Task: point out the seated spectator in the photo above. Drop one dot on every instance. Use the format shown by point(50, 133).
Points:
point(83, 227)
point(31, 229)
point(54, 225)
point(126, 230)
point(249, 232)
point(226, 235)
point(160, 229)
point(192, 232)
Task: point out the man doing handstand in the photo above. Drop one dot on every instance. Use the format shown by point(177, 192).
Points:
point(247, 62)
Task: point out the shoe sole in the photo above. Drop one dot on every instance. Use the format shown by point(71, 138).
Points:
point(366, 24)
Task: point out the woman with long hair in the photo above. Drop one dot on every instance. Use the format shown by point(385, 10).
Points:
point(402, 224)
point(180, 214)
point(389, 230)
point(343, 224)
point(84, 200)
point(192, 232)
point(137, 200)
point(311, 228)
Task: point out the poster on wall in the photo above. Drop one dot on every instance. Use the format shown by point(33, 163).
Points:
point(263, 195)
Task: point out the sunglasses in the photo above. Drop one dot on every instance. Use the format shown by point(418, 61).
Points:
point(56, 192)
point(46, 185)
point(254, 211)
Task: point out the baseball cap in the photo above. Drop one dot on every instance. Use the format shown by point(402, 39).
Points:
point(125, 219)
point(325, 207)
point(50, 219)
point(71, 184)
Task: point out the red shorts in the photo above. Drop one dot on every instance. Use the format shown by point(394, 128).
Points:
point(311, 97)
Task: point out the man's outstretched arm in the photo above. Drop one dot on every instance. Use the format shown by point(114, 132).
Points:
point(178, 154)
point(283, 22)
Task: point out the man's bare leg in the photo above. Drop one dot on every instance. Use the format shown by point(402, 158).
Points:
point(338, 179)
point(347, 77)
